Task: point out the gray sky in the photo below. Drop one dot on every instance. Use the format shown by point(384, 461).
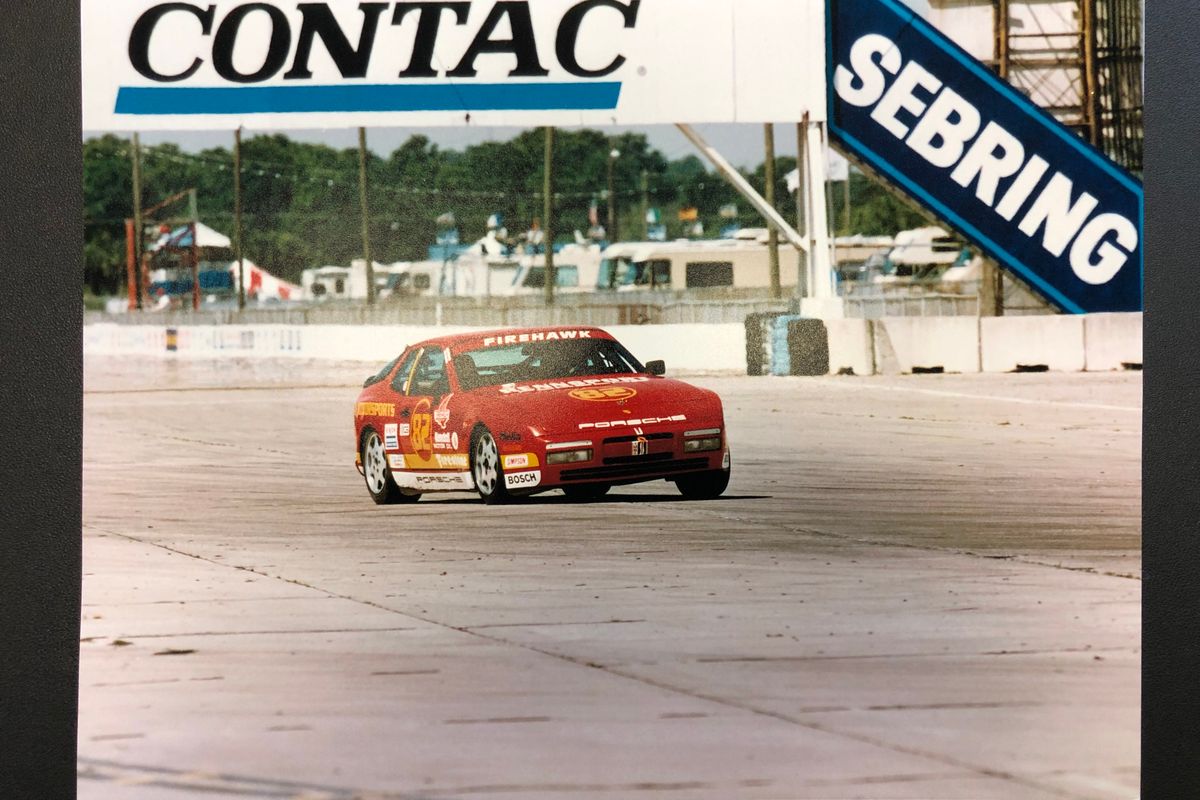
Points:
point(742, 144)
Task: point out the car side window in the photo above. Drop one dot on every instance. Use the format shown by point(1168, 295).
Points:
point(400, 379)
point(430, 378)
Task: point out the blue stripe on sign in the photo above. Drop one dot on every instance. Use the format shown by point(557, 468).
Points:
point(146, 100)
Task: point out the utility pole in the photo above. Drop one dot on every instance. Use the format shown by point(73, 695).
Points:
point(194, 214)
point(802, 208)
point(237, 216)
point(137, 218)
point(769, 194)
point(645, 205)
point(613, 155)
point(366, 219)
point(548, 216)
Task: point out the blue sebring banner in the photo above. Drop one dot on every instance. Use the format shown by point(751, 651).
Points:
point(1030, 193)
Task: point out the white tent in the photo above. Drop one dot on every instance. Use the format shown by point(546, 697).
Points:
point(182, 237)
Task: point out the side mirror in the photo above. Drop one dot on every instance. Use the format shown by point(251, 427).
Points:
point(656, 367)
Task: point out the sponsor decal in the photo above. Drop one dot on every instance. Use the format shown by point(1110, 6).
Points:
point(391, 437)
point(540, 336)
point(519, 461)
point(512, 388)
point(631, 423)
point(517, 480)
point(509, 437)
point(454, 461)
point(445, 441)
point(441, 415)
point(421, 432)
point(396, 460)
point(374, 410)
point(607, 394)
point(455, 481)
point(405, 429)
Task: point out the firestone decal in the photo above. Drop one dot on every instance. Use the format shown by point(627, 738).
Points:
point(456, 461)
point(512, 388)
point(632, 423)
point(522, 338)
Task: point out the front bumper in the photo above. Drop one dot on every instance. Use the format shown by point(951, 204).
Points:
point(626, 458)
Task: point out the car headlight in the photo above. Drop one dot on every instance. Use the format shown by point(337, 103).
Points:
point(568, 452)
point(702, 441)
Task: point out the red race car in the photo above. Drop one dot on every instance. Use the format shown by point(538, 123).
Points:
point(515, 412)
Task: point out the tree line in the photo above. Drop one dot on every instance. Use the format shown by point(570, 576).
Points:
point(301, 208)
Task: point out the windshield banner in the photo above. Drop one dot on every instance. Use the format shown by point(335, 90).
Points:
point(291, 64)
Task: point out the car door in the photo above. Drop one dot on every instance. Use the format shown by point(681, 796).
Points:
point(433, 444)
point(398, 429)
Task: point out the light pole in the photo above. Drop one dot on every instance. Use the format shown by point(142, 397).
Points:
point(613, 155)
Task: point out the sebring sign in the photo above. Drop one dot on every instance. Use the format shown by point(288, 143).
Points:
point(180, 65)
point(1032, 194)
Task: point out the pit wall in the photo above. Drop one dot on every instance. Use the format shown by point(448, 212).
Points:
point(889, 346)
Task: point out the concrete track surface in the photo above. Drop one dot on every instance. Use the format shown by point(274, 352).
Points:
point(916, 587)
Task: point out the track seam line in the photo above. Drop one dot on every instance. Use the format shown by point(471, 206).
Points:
point(728, 703)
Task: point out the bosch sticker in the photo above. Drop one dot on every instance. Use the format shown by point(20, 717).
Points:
point(517, 480)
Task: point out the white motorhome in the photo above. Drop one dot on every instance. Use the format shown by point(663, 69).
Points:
point(739, 263)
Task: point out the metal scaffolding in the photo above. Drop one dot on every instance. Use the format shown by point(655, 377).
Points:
point(1081, 60)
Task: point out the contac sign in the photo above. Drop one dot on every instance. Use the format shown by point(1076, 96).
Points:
point(1030, 193)
point(448, 62)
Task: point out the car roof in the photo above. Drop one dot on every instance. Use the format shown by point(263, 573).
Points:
point(458, 341)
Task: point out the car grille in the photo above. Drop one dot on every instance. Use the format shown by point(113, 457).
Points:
point(645, 466)
point(650, 437)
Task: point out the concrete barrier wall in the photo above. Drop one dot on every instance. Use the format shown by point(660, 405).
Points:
point(891, 345)
point(1111, 340)
point(902, 343)
point(1053, 341)
point(685, 348)
point(851, 346)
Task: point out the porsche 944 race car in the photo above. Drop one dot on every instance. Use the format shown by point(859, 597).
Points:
point(516, 412)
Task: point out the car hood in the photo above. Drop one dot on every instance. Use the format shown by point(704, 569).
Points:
point(604, 402)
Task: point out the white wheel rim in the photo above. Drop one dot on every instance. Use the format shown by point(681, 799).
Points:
point(487, 464)
point(376, 464)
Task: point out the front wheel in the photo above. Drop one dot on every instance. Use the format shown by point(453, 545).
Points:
point(378, 474)
point(704, 485)
point(486, 469)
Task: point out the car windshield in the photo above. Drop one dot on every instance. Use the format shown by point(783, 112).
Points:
point(543, 361)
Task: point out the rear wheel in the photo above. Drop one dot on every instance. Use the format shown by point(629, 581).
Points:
point(378, 474)
point(587, 491)
point(704, 485)
point(486, 469)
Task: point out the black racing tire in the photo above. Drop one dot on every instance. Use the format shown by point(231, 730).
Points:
point(586, 491)
point(486, 469)
point(704, 485)
point(377, 473)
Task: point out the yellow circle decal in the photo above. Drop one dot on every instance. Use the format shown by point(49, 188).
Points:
point(604, 394)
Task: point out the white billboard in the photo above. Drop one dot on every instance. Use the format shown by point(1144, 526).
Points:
point(290, 64)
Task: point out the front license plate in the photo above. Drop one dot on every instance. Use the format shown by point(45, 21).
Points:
point(640, 447)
